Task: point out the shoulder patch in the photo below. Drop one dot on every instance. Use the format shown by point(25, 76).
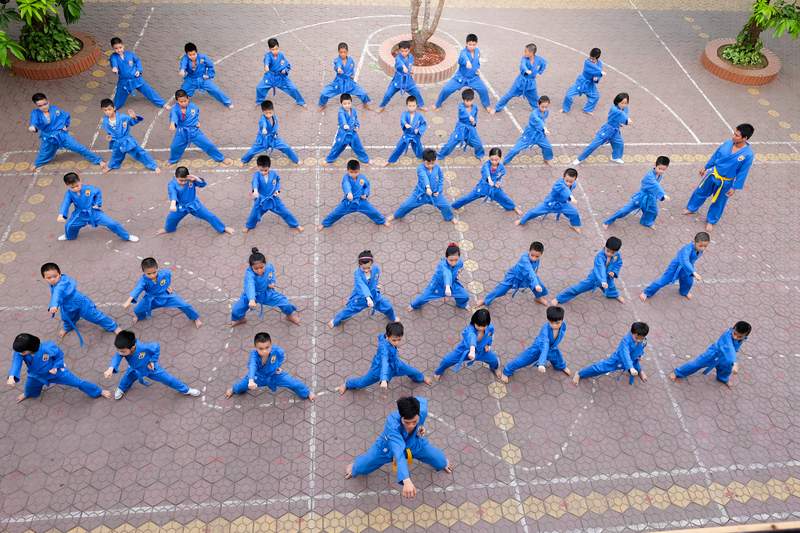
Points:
point(163, 282)
point(142, 354)
point(45, 357)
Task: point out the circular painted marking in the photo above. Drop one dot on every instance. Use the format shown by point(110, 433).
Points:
point(22, 165)
point(86, 97)
point(462, 226)
point(773, 113)
point(2, 278)
point(17, 236)
point(99, 73)
point(36, 199)
point(27, 216)
point(763, 101)
point(753, 91)
point(44, 181)
point(79, 109)
point(7, 257)
point(466, 245)
point(785, 125)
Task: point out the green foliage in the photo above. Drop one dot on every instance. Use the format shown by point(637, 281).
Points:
point(52, 44)
point(778, 15)
point(35, 12)
point(9, 46)
point(744, 55)
point(7, 16)
point(43, 37)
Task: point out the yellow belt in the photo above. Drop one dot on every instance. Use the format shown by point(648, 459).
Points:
point(408, 457)
point(723, 179)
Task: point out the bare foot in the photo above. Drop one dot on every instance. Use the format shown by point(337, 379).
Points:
point(320, 227)
point(448, 469)
point(62, 333)
point(312, 397)
point(299, 229)
point(321, 108)
point(103, 164)
point(504, 378)
point(549, 162)
point(491, 110)
point(498, 374)
point(238, 322)
point(245, 230)
point(229, 230)
point(20, 397)
point(437, 377)
point(673, 377)
point(688, 296)
point(161, 231)
point(229, 393)
point(518, 222)
point(541, 300)
point(709, 227)
point(387, 224)
point(605, 226)
point(385, 164)
point(567, 371)
point(106, 170)
point(554, 301)
point(116, 331)
point(590, 113)
point(198, 323)
point(341, 389)
point(380, 110)
point(519, 211)
point(348, 472)
point(480, 303)
point(294, 318)
point(620, 299)
point(330, 324)
point(687, 212)
point(409, 309)
point(324, 163)
point(651, 228)
point(576, 229)
point(576, 378)
point(135, 319)
point(427, 380)
point(106, 394)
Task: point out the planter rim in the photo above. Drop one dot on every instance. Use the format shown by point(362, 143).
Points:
point(83, 60)
point(730, 72)
point(422, 74)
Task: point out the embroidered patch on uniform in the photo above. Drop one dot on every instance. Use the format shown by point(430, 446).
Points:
point(361, 182)
point(193, 112)
point(274, 182)
point(141, 355)
point(269, 275)
point(273, 359)
point(741, 158)
point(45, 357)
point(130, 63)
point(163, 282)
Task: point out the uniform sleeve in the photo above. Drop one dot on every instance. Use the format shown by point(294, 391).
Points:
point(341, 118)
point(211, 72)
point(616, 265)
point(64, 209)
point(367, 187)
point(280, 357)
point(156, 352)
point(249, 285)
point(684, 259)
point(562, 192)
point(544, 345)
point(533, 276)
point(523, 65)
point(200, 183)
point(138, 63)
point(423, 125)
point(485, 174)
point(67, 118)
point(741, 173)
point(287, 65)
point(138, 289)
point(356, 123)
point(405, 118)
point(16, 366)
point(422, 176)
point(114, 61)
point(172, 191)
point(463, 114)
point(97, 198)
point(383, 357)
point(116, 359)
point(542, 65)
point(33, 121)
point(447, 276)
point(174, 114)
point(398, 63)
point(167, 277)
point(184, 63)
point(57, 358)
point(269, 272)
point(346, 188)
point(470, 339)
point(337, 63)
point(398, 448)
point(360, 285)
point(625, 354)
point(57, 295)
point(599, 271)
point(713, 159)
point(462, 58)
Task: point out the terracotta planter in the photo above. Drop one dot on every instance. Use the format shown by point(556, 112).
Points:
point(743, 76)
point(85, 59)
point(422, 75)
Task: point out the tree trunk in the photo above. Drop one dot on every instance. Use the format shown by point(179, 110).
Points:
point(751, 34)
point(420, 36)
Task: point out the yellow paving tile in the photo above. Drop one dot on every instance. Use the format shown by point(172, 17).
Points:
point(554, 506)
point(36, 199)
point(576, 504)
point(218, 525)
point(777, 489)
point(679, 496)
point(504, 420)
point(447, 514)
point(511, 454)
point(357, 521)
point(288, 523)
point(17, 236)
point(491, 511)
point(738, 492)
point(7, 257)
point(402, 518)
point(424, 516)
point(470, 265)
point(334, 522)
point(475, 287)
point(596, 503)
point(380, 519)
point(534, 507)
point(2, 278)
point(638, 499)
point(242, 525)
point(468, 513)
point(658, 498)
point(718, 493)
point(511, 510)
point(497, 390)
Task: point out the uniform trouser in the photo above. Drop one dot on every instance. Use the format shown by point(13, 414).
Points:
point(121, 95)
point(271, 298)
point(412, 91)
point(182, 140)
point(285, 84)
point(137, 152)
point(147, 304)
point(453, 358)
point(356, 305)
point(33, 386)
point(402, 147)
point(380, 454)
point(604, 367)
point(568, 210)
point(685, 283)
point(529, 357)
point(458, 291)
point(202, 212)
point(647, 219)
point(471, 138)
point(87, 311)
point(453, 85)
point(74, 225)
point(346, 207)
point(587, 285)
point(498, 195)
point(159, 374)
point(724, 370)
point(617, 145)
point(192, 85)
point(592, 97)
point(414, 201)
point(504, 286)
point(531, 95)
point(374, 376)
point(273, 382)
point(353, 141)
point(529, 142)
point(48, 149)
point(277, 207)
point(707, 189)
point(275, 144)
point(332, 89)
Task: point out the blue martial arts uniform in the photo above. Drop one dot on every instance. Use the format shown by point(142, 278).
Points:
point(488, 191)
point(543, 350)
point(460, 355)
point(143, 354)
point(392, 444)
point(533, 135)
point(445, 276)
point(557, 201)
point(87, 205)
point(122, 142)
point(266, 374)
point(601, 272)
point(725, 170)
point(626, 356)
point(260, 289)
point(523, 275)
point(413, 128)
point(347, 135)
point(609, 133)
point(187, 130)
point(386, 364)
point(360, 190)
point(586, 83)
point(433, 179)
point(75, 305)
point(343, 83)
point(40, 363)
point(157, 294)
point(363, 288)
point(200, 77)
point(465, 133)
point(267, 140)
point(645, 199)
point(187, 203)
point(53, 134)
point(402, 80)
point(466, 76)
point(268, 188)
point(129, 70)
point(277, 77)
point(720, 356)
point(680, 269)
point(525, 84)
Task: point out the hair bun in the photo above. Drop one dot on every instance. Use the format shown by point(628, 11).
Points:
point(253, 250)
point(452, 244)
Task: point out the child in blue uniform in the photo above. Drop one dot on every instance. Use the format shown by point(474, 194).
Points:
point(530, 66)
point(465, 132)
point(646, 199)
point(681, 269)
point(545, 348)
point(626, 358)
point(523, 275)
point(559, 201)
point(610, 131)
point(720, 356)
point(401, 440)
point(198, 74)
point(347, 133)
point(476, 345)
point(344, 83)
point(366, 292)
point(45, 362)
point(183, 200)
point(265, 188)
point(535, 133)
point(276, 75)
point(604, 274)
point(444, 282)
point(142, 359)
point(156, 284)
point(128, 66)
point(467, 75)
point(73, 304)
point(403, 79)
point(87, 202)
point(489, 186)
point(264, 370)
point(429, 189)
point(386, 363)
point(723, 175)
point(52, 125)
point(267, 138)
point(259, 289)
point(413, 126)
point(586, 84)
point(356, 189)
point(120, 140)
point(184, 120)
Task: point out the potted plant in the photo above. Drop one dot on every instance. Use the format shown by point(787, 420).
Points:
point(745, 60)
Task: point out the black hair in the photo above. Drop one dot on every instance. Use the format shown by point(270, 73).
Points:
point(366, 254)
point(353, 165)
point(746, 130)
point(115, 40)
point(530, 47)
point(181, 172)
point(71, 178)
point(429, 155)
point(256, 257)
point(264, 161)
point(342, 45)
point(394, 329)
point(702, 237)
point(452, 249)
point(481, 317)
point(262, 336)
point(640, 328)
point(404, 44)
point(571, 172)
point(180, 93)
point(47, 267)
point(620, 97)
point(614, 244)
point(344, 97)
point(149, 262)
point(555, 313)
point(544, 98)
point(662, 160)
point(741, 327)
point(472, 38)
point(467, 94)
point(536, 246)
point(272, 42)
point(125, 340)
point(106, 102)
point(411, 99)
point(595, 53)
point(38, 97)
point(496, 151)
point(25, 342)
point(189, 47)
point(408, 407)
point(266, 105)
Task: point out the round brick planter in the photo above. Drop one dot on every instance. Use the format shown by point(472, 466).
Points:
point(422, 75)
point(83, 60)
point(743, 76)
